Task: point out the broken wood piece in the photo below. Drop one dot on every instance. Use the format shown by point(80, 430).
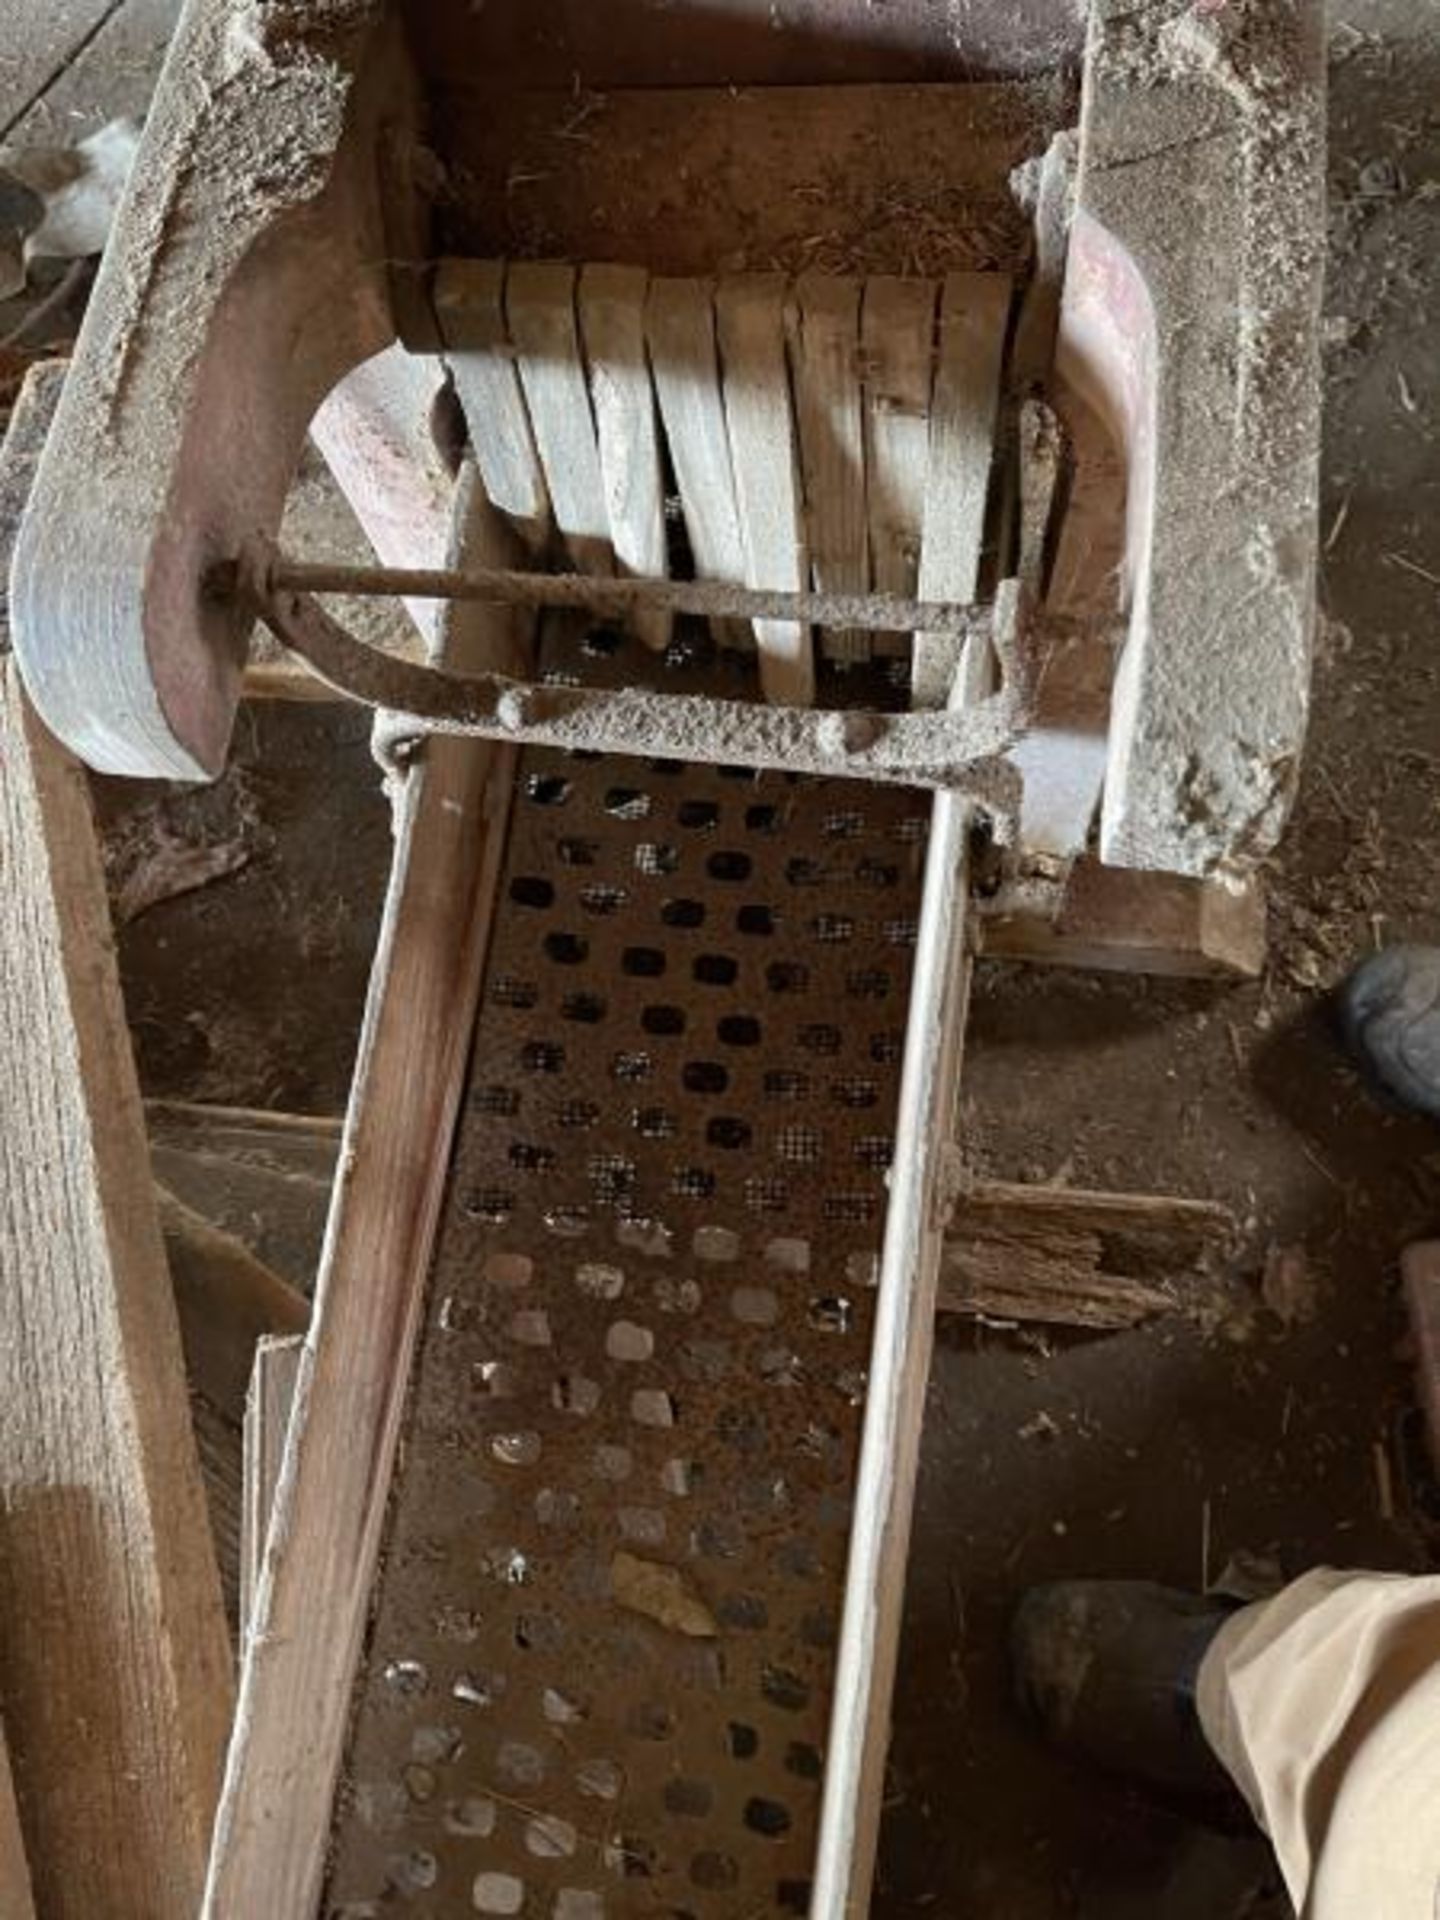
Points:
point(17, 1900)
point(750, 328)
point(273, 1379)
point(108, 1581)
point(1070, 1257)
point(897, 349)
point(974, 312)
point(1112, 920)
point(540, 316)
point(470, 311)
point(824, 323)
point(612, 327)
point(680, 333)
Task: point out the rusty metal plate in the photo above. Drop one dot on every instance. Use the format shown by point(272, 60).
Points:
point(645, 1349)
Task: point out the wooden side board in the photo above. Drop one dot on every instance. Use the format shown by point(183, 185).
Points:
point(114, 1662)
point(273, 1379)
point(924, 1168)
point(312, 1595)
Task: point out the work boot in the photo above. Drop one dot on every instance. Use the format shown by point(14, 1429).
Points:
point(1390, 1013)
point(1108, 1669)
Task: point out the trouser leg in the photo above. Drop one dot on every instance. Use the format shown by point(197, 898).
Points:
point(1324, 1705)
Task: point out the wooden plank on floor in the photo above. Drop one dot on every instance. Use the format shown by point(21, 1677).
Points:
point(897, 356)
point(273, 1380)
point(312, 1598)
point(612, 327)
point(830, 421)
point(750, 328)
point(974, 311)
point(470, 311)
point(540, 314)
point(1067, 1256)
point(680, 332)
point(114, 1662)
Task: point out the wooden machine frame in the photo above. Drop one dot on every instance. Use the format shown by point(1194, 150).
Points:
point(227, 310)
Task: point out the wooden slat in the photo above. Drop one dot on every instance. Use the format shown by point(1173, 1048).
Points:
point(114, 1662)
point(612, 326)
point(830, 419)
point(17, 1899)
point(974, 308)
point(470, 310)
point(273, 1380)
point(313, 1593)
point(680, 331)
point(540, 314)
point(923, 1167)
point(227, 1299)
point(897, 347)
point(750, 327)
point(34, 58)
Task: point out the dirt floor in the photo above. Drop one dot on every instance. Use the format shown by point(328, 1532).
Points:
point(1232, 1428)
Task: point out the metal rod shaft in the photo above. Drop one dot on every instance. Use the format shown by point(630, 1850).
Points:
point(870, 612)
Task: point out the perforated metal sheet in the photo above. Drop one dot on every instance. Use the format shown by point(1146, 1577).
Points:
point(647, 1335)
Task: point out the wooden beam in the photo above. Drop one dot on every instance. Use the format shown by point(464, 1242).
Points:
point(1112, 920)
point(313, 1592)
point(114, 1665)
